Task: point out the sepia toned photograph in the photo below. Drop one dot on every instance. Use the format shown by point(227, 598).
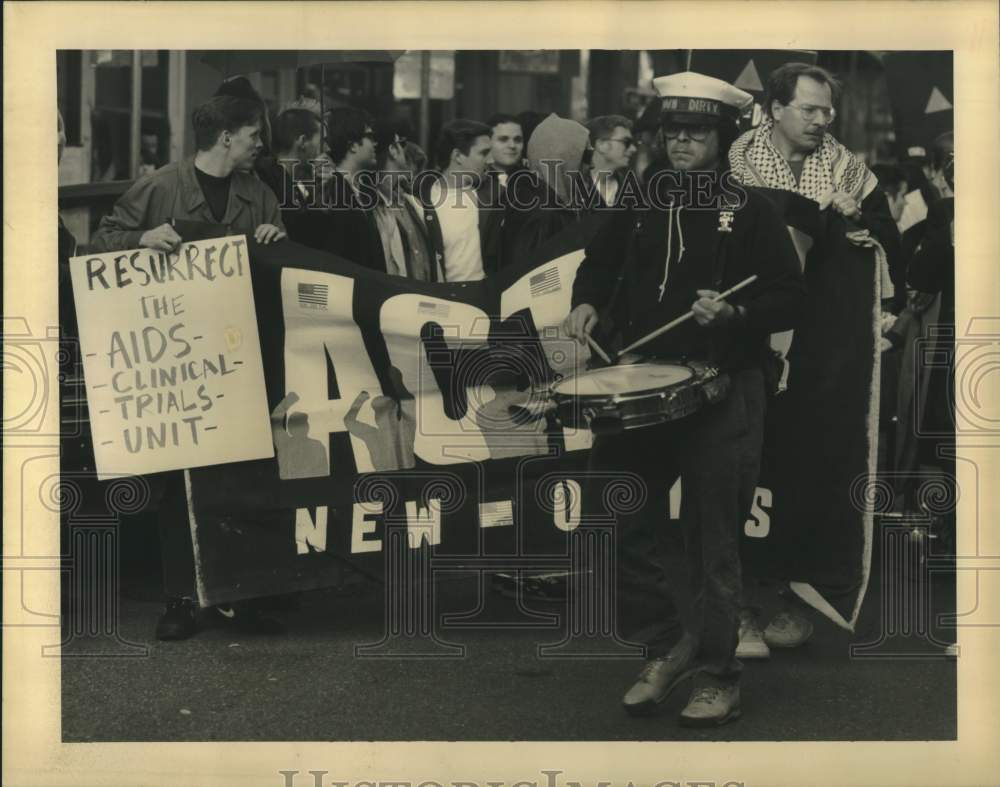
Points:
point(578, 396)
point(381, 354)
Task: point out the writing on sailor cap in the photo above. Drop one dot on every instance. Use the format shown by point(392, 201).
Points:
point(690, 93)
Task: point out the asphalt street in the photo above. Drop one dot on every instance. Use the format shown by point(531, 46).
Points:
point(493, 683)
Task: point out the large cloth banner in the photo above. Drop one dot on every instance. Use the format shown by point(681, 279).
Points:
point(413, 408)
point(821, 435)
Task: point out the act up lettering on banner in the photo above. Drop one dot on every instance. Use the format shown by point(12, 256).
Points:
point(454, 328)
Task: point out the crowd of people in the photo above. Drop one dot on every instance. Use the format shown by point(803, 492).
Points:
point(497, 191)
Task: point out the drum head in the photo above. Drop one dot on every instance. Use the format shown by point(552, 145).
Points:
point(613, 380)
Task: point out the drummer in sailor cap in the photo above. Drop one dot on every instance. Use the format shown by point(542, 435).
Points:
point(696, 235)
point(700, 97)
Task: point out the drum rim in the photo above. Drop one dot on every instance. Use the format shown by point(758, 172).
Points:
point(625, 396)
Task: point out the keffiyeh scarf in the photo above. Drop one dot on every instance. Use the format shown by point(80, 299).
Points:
point(755, 161)
point(831, 167)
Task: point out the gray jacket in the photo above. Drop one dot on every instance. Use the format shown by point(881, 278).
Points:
point(173, 192)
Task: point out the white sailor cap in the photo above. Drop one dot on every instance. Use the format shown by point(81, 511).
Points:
point(690, 93)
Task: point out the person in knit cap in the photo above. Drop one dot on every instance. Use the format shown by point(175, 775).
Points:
point(697, 237)
point(543, 200)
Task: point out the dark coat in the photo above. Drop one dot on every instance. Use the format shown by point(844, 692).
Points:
point(301, 206)
point(349, 227)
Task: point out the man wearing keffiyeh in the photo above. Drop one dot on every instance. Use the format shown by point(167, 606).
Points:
point(793, 150)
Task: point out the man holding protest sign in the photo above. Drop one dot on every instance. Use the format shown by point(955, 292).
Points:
point(215, 188)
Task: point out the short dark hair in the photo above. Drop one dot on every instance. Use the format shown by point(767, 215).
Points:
point(458, 135)
point(781, 84)
point(345, 126)
point(605, 125)
point(239, 87)
point(222, 113)
point(501, 117)
point(386, 134)
point(292, 124)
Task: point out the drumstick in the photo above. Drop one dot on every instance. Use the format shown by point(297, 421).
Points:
point(597, 349)
point(685, 317)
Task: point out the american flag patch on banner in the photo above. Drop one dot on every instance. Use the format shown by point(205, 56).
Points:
point(545, 282)
point(496, 514)
point(313, 296)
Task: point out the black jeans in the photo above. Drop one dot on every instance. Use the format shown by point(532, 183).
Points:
point(690, 581)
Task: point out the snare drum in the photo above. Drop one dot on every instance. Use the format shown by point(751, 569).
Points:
point(616, 398)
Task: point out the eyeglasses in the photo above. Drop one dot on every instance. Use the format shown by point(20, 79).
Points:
point(626, 141)
point(697, 133)
point(811, 111)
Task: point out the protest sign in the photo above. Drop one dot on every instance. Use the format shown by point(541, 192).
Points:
point(171, 357)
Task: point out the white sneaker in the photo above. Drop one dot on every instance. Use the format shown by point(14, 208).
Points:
point(751, 645)
point(788, 630)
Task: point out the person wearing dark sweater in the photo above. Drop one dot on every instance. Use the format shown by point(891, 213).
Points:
point(351, 195)
point(647, 266)
point(294, 175)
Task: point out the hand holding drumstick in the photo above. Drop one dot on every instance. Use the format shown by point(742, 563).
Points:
point(706, 310)
point(579, 324)
point(711, 308)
